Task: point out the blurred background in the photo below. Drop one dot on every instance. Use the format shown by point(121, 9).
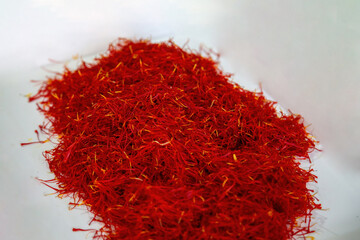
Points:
point(305, 54)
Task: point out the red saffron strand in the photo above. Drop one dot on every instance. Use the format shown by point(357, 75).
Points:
point(158, 143)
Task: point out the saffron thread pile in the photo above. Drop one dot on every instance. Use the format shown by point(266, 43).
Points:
point(158, 143)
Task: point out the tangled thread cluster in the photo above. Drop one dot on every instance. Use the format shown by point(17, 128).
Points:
point(158, 143)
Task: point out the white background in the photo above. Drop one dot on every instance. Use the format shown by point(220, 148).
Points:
point(306, 55)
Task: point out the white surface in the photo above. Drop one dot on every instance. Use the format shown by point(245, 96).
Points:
point(306, 54)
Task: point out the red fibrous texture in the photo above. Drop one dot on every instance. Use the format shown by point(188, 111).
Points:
point(158, 143)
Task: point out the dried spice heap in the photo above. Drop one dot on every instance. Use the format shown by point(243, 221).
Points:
point(157, 143)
